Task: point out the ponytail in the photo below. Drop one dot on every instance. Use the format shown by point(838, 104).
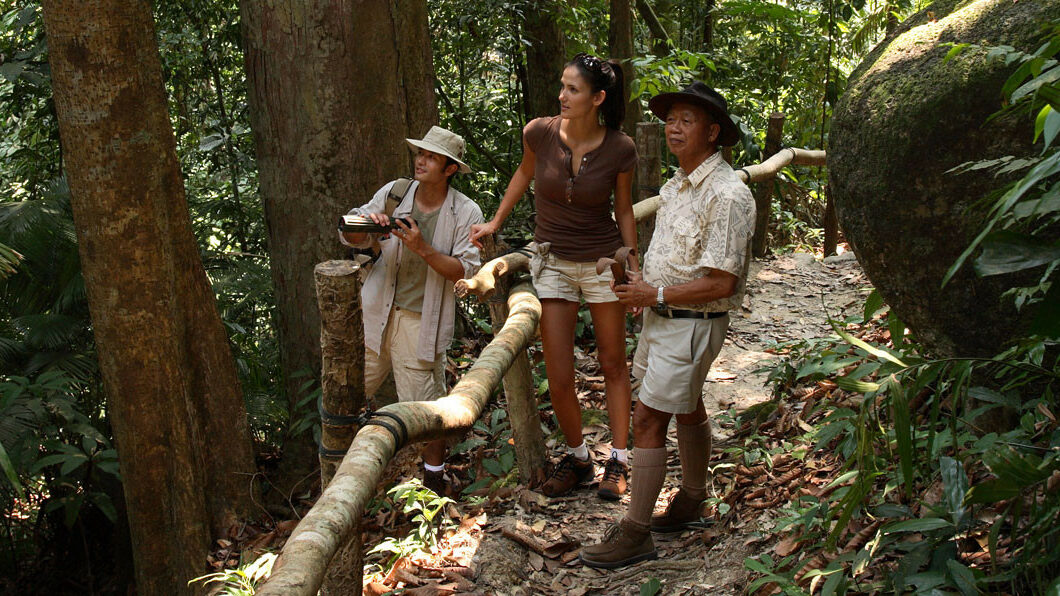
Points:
point(609, 78)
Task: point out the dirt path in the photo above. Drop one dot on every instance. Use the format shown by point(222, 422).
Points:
point(788, 298)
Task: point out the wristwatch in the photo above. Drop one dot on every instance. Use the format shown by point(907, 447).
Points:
point(660, 301)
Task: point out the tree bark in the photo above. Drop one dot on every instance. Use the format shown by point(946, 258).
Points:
point(620, 40)
point(545, 56)
point(649, 176)
point(332, 523)
point(764, 193)
point(342, 365)
point(335, 87)
point(831, 224)
point(173, 396)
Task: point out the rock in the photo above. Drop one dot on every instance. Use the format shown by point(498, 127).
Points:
point(846, 257)
point(803, 259)
point(905, 119)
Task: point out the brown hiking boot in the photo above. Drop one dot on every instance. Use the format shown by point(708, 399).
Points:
point(623, 544)
point(442, 483)
point(681, 514)
point(613, 484)
point(567, 474)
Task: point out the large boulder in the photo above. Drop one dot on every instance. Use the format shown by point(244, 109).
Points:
point(905, 119)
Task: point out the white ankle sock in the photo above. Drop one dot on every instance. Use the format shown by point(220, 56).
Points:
point(431, 468)
point(581, 451)
point(621, 454)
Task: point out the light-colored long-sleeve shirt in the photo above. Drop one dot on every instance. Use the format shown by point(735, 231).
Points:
point(457, 214)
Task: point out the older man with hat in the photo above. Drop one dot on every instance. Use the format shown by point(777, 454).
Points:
point(407, 298)
point(694, 273)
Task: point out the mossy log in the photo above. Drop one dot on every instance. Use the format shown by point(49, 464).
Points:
point(333, 521)
point(484, 283)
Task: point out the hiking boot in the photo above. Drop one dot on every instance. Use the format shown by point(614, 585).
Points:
point(623, 544)
point(613, 484)
point(567, 474)
point(442, 483)
point(681, 514)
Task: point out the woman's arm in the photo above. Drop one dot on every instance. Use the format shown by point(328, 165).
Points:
point(516, 189)
point(627, 226)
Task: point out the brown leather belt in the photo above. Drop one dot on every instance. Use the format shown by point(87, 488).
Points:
point(676, 313)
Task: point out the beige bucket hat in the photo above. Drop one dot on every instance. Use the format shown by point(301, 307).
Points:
point(443, 142)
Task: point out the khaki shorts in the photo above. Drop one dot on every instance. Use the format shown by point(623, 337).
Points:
point(554, 277)
point(415, 379)
point(673, 358)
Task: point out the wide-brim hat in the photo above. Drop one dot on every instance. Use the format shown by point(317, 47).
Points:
point(443, 142)
point(701, 95)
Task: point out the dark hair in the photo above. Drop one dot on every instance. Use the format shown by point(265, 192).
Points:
point(604, 76)
point(449, 161)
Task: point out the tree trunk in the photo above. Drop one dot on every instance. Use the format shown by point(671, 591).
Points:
point(764, 192)
point(649, 176)
point(545, 56)
point(660, 39)
point(335, 88)
point(620, 40)
point(172, 393)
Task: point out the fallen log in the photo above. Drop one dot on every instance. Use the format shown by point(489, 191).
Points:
point(333, 521)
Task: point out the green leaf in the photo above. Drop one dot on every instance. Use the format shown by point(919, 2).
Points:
point(962, 577)
point(877, 352)
point(903, 436)
point(993, 397)
point(1009, 465)
point(851, 384)
point(650, 587)
point(1006, 251)
point(956, 49)
point(9, 472)
point(1044, 169)
point(925, 524)
point(873, 303)
point(1052, 126)
point(955, 485)
point(494, 467)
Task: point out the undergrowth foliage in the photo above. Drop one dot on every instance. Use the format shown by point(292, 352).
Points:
point(952, 466)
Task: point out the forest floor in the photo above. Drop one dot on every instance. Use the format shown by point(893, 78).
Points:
point(519, 542)
point(510, 540)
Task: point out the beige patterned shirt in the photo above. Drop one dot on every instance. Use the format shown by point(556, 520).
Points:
point(705, 221)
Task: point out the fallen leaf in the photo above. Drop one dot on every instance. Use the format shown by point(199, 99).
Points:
point(536, 561)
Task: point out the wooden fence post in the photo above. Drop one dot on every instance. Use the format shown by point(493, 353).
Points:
point(342, 350)
point(518, 382)
point(342, 395)
point(831, 223)
point(649, 175)
point(764, 191)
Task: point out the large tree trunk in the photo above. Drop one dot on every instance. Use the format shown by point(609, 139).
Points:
point(335, 87)
point(620, 40)
point(173, 395)
point(545, 56)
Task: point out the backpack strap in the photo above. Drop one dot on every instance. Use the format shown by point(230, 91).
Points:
point(396, 194)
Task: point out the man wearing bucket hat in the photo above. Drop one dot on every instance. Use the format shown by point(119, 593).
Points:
point(694, 273)
point(407, 298)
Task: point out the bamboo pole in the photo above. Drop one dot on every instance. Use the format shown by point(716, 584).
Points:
point(519, 390)
point(764, 192)
point(484, 283)
point(332, 522)
point(755, 173)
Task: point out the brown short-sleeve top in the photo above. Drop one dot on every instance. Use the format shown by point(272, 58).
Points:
point(574, 211)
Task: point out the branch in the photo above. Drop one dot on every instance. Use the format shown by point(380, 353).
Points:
point(467, 131)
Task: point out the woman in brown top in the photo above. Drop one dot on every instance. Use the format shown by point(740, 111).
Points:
point(578, 162)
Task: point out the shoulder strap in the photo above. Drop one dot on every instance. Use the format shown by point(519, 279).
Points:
point(397, 193)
